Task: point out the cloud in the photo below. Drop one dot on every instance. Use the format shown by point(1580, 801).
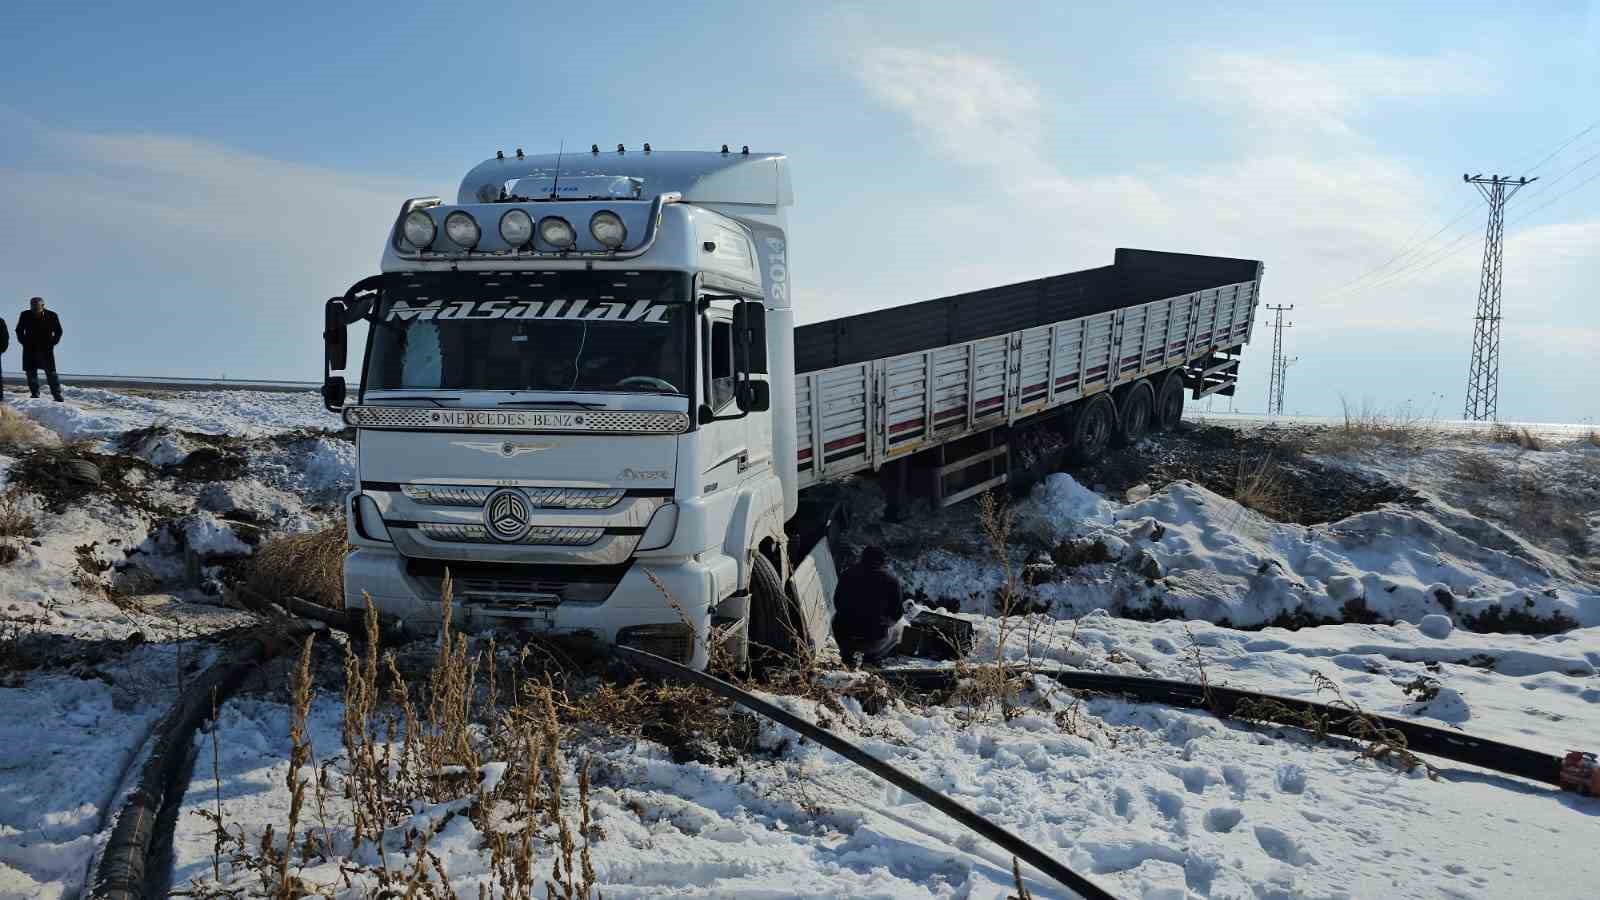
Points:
point(973, 108)
point(171, 255)
point(1317, 203)
point(1294, 94)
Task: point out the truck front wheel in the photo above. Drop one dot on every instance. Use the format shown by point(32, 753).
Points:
point(775, 626)
point(1091, 429)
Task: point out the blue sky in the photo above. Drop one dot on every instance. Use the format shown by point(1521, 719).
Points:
point(190, 183)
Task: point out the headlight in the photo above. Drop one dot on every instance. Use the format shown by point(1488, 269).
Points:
point(368, 520)
point(419, 229)
point(662, 526)
point(462, 229)
point(607, 228)
point(516, 227)
point(557, 232)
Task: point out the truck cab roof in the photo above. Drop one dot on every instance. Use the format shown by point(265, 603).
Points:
point(756, 179)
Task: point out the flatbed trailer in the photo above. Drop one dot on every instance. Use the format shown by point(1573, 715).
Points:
point(883, 386)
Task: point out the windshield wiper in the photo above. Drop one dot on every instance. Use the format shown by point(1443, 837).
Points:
point(436, 401)
point(551, 403)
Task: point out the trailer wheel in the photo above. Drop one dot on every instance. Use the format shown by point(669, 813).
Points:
point(1136, 410)
point(1169, 402)
point(1091, 429)
point(776, 628)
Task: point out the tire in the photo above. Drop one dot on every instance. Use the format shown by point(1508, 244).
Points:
point(1134, 413)
point(1169, 403)
point(1091, 429)
point(775, 627)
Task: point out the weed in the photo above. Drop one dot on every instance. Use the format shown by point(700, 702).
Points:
point(1362, 429)
point(1260, 487)
point(18, 432)
point(16, 518)
point(1380, 742)
point(1519, 437)
point(1477, 468)
point(309, 566)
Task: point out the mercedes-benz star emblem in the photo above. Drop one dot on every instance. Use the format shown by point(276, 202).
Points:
point(506, 514)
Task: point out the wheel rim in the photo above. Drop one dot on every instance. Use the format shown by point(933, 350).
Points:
point(1138, 415)
point(1171, 407)
point(1096, 430)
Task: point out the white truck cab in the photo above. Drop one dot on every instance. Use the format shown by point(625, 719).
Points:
point(577, 399)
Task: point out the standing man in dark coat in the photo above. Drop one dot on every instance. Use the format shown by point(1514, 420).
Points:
point(5, 344)
point(868, 604)
point(38, 331)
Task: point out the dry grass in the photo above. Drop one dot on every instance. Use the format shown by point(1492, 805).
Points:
point(1260, 486)
point(1592, 438)
point(309, 566)
point(411, 743)
point(1478, 469)
point(1367, 428)
point(16, 518)
point(18, 432)
point(1380, 743)
point(1518, 437)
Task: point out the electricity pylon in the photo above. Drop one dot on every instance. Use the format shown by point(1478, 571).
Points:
point(1483, 375)
point(1275, 380)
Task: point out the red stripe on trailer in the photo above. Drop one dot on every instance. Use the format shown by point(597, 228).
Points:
point(805, 453)
point(905, 426)
point(993, 401)
point(844, 442)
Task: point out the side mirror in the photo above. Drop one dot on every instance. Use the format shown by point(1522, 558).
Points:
point(335, 335)
point(707, 415)
point(333, 393)
point(754, 396)
point(750, 337)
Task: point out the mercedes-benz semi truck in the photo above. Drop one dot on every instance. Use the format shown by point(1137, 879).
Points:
point(584, 396)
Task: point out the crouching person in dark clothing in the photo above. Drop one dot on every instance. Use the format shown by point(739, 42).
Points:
point(38, 331)
point(868, 604)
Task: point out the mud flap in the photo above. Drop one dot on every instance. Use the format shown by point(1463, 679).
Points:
point(815, 537)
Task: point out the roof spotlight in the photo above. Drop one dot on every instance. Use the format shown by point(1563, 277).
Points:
point(557, 232)
point(419, 229)
point(516, 227)
point(462, 229)
point(608, 228)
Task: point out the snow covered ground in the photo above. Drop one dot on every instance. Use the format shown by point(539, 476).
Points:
point(1150, 801)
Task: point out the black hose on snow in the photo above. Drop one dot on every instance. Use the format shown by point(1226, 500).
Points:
point(123, 869)
point(1227, 702)
point(1004, 839)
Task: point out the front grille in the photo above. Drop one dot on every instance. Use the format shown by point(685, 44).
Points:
point(545, 535)
point(504, 583)
point(465, 534)
point(541, 497)
point(446, 494)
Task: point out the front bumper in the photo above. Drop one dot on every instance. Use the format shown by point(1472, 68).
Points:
point(648, 608)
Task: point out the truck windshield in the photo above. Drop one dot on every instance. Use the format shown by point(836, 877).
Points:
point(545, 331)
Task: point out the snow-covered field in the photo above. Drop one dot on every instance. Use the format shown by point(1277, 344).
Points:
point(1150, 801)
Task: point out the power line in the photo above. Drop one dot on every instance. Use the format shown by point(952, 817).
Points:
point(1418, 246)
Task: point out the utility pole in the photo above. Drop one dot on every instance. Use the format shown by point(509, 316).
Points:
point(1275, 382)
point(1483, 375)
point(1283, 376)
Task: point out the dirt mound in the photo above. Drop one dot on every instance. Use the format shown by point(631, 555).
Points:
point(1267, 470)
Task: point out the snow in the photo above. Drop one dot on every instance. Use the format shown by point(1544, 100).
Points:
point(1149, 800)
point(95, 413)
point(210, 537)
